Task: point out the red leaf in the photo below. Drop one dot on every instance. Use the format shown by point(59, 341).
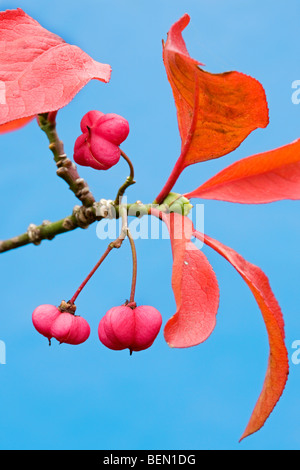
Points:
point(39, 72)
point(194, 284)
point(262, 178)
point(278, 366)
point(14, 125)
point(216, 112)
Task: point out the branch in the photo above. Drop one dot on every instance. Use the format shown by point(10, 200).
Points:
point(35, 234)
point(66, 169)
point(81, 217)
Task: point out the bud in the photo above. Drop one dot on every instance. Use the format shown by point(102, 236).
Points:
point(177, 203)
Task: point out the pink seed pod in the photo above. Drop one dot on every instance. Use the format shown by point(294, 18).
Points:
point(89, 120)
point(43, 318)
point(123, 327)
point(98, 145)
point(113, 128)
point(71, 329)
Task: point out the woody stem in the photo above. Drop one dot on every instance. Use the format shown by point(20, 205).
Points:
point(66, 169)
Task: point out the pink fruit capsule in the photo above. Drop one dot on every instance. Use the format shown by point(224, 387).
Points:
point(89, 120)
point(123, 327)
point(43, 318)
point(71, 329)
point(113, 128)
point(96, 152)
point(98, 145)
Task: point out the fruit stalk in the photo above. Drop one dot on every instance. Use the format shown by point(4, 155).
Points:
point(129, 180)
point(134, 268)
point(83, 284)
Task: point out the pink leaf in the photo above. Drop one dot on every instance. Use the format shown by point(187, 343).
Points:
point(39, 71)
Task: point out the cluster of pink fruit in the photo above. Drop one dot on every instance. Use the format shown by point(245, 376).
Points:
point(121, 327)
point(61, 323)
point(126, 326)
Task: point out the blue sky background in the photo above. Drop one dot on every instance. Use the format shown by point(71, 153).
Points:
point(88, 397)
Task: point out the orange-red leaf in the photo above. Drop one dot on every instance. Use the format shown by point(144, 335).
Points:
point(14, 125)
point(262, 178)
point(39, 72)
point(194, 285)
point(216, 112)
point(278, 366)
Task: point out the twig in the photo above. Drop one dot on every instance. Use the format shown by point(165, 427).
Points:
point(81, 217)
point(66, 169)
